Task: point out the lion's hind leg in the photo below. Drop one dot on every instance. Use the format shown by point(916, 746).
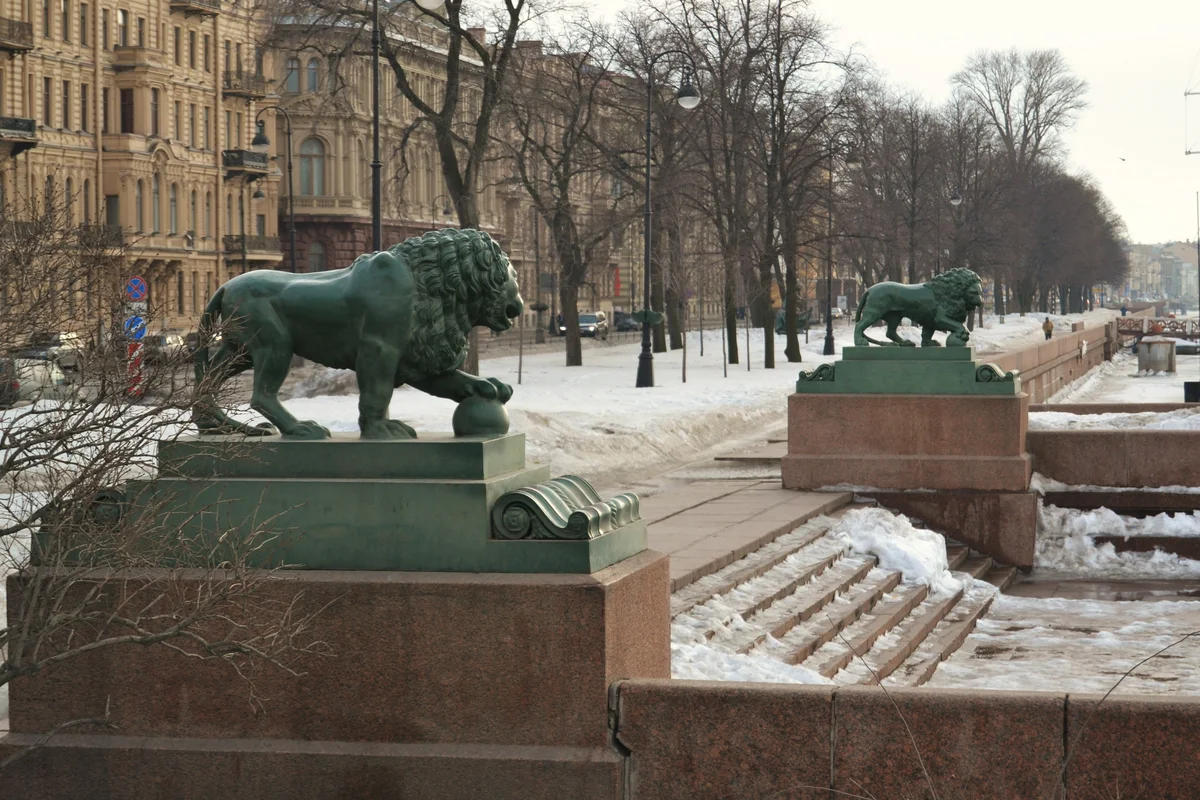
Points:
point(893, 321)
point(272, 360)
point(866, 319)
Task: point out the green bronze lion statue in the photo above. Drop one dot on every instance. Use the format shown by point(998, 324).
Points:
point(941, 304)
point(396, 317)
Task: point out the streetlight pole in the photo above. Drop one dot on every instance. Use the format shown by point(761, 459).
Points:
point(261, 143)
point(688, 98)
point(829, 348)
point(539, 336)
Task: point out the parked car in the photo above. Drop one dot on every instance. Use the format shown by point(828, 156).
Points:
point(624, 321)
point(161, 347)
point(26, 380)
point(62, 347)
point(593, 325)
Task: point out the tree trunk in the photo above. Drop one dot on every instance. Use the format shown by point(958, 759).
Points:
point(729, 297)
point(568, 296)
point(999, 299)
point(675, 290)
point(791, 349)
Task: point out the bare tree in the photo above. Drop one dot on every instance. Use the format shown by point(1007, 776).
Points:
point(91, 567)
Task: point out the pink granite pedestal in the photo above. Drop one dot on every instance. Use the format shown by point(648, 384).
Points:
point(441, 686)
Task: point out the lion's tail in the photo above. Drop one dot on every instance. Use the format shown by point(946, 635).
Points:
point(862, 301)
point(212, 312)
point(207, 416)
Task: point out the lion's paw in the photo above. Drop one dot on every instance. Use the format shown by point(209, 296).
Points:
point(504, 392)
point(307, 430)
point(387, 429)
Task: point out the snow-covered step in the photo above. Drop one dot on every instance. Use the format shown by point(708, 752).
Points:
point(741, 636)
point(896, 646)
point(947, 637)
point(862, 635)
point(976, 566)
point(803, 640)
point(748, 567)
point(956, 554)
point(1001, 576)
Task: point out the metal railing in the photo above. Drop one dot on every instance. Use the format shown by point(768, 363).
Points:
point(244, 159)
point(18, 126)
point(246, 84)
point(214, 5)
point(94, 235)
point(253, 243)
point(16, 32)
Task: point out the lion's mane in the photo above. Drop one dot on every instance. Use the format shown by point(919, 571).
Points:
point(951, 290)
point(457, 274)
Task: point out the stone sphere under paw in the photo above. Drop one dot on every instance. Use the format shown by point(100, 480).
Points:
point(477, 416)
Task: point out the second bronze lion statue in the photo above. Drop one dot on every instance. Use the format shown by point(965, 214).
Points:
point(400, 316)
point(941, 304)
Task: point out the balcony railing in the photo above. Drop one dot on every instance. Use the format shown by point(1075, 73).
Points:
point(253, 87)
point(15, 36)
point(104, 236)
point(19, 133)
point(206, 8)
point(132, 56)
point(244, 162)
point(253, 244)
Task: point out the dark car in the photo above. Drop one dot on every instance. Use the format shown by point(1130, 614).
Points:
point(593, 325)
point(624, 321)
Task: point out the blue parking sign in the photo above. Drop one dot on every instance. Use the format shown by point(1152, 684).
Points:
point(135, 328)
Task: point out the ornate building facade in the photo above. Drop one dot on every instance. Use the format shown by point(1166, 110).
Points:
point(137, 116)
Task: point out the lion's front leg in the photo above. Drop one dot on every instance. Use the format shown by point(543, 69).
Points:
point(375, 368)
point(458, 386)
point(957, 336)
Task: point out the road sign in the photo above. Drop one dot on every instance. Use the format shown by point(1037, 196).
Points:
point(136, 288)
point(138, 308)
point(842, 304)
point(547, 282)
point(135, 328)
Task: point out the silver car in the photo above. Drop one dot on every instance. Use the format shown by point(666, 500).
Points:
point(26, 380)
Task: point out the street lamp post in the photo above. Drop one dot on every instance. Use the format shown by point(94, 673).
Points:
point(433, 209)
point(688, 97)
point(261, 143)
point(376, 164)
point(539, 336)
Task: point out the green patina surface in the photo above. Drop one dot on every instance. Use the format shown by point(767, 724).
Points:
point(908, 370)
point(406, 505)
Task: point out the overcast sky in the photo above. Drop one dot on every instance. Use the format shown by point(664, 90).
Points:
point(1137, 57)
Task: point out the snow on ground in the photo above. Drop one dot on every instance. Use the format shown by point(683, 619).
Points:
point(1118, 381)
point(1031, 644)
point(919, 554)
point(1065, 547)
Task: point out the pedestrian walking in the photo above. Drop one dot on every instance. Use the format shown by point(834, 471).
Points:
point(1048, 328)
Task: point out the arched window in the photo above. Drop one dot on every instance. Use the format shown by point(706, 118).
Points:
point(49, 194)
point(70, 202)
point(173, 216)
point(208, 214)
point(193, 227)
point(139, 207)
point(312, 167)
point(291, 81)
point(87, 201)
point(241, 213)
point(156, 205)
point(314, 75)
point(316, 257)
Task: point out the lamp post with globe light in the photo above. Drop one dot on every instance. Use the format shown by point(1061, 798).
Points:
point(260, 144)
point(376, 164)
point(688, 97)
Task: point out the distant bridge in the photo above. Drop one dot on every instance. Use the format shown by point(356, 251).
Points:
point(1164, 326)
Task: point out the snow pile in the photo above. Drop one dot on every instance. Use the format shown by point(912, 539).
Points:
point(702, 662)
point(1184, 419)
point(1089, 383)
point(1041, 484)
point(1065, 544)
point(917, 553)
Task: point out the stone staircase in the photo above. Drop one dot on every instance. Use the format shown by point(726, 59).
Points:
point(803, 599)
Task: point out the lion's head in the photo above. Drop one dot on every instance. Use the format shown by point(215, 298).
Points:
point(462, 280)
point(958, 291)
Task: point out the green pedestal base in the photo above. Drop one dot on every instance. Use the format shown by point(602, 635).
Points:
point(908, 370)
point(349, 504)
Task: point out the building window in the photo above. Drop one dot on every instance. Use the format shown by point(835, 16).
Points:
point(104, 40)
point(242, 214)
point(87, 201)
point(139, 209)
point(84, 108)
point(207, 125)
point(240, 127)
point(46, 102)
point(173, 209)
point(66, 105)
point(195, 292)
point(192, 124)
point(229, 129)
point(156, 205)
point(127, 111)
point(192, 49)
point(291, 81)
point(141, 31)
point(312, 167)
point(238, 66)
point(178, 129)
point(192, 214)
point(258, 59)
point(228, 213)
point(208, 214)
point(66, 20)
point(178, 46)
point(208, 282)
point(84, 24)
point(104, 110)
point(314, 75)
point(46, 18)
point(154, 112)
point(316, 257)
point(207, 53)
point(179, 292)
point(228, 56)
point(69, 202)
point(122, 27)
point(49, 194)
